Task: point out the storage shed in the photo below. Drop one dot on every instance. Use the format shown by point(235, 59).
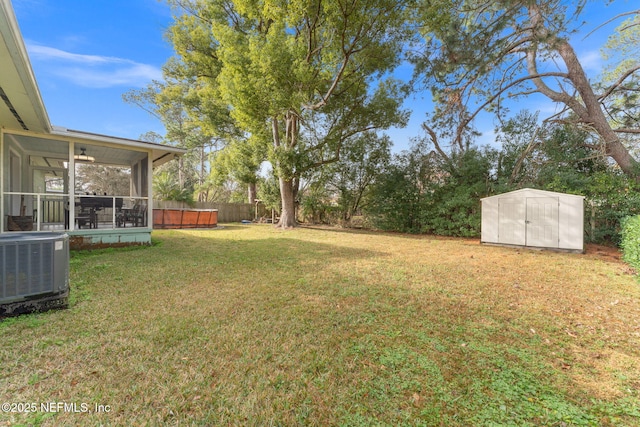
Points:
point(535, 218)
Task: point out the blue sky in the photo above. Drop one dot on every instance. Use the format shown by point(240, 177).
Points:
point(86, 54)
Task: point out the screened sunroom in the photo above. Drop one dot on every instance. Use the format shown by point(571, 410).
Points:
point(95, 187)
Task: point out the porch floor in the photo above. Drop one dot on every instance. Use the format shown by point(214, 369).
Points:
point(59, 226)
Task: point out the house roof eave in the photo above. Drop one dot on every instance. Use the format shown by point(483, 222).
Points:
point(21, 105)
point(161, 153)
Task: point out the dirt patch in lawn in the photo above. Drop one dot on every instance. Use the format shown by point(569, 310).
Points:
point(609, 253)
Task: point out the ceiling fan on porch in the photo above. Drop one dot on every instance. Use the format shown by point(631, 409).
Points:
point(84, 157)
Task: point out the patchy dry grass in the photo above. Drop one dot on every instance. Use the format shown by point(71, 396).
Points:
point(248, 325)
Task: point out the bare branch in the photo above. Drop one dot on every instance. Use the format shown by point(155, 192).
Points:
point(633, 12)
point(434, 139)
point(516, 82)
point(525, 153)
point(627, 130)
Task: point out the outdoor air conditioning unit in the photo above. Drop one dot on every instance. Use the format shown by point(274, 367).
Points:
point(34, 272)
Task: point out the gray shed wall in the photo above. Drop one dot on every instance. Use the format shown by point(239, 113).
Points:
point(570, 219)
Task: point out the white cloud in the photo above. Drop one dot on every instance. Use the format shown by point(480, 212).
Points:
point(131, 74)
point(94, 70)
point(591, 61)
point(50, 53)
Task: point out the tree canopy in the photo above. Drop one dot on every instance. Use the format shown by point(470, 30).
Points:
point(299, 74)
point(308, 86)
point(491, 51)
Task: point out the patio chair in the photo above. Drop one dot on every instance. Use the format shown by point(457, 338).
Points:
point(89, 217)
point(121, 217)
point(136, 216)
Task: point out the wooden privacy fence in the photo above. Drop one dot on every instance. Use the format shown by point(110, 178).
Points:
point(227, 212)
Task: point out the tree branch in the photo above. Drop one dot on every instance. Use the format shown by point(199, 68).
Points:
point(434, 139)
point(332, 88)
point(618, 82)
point(632, 12)
point(627, 130)
point(525, 153)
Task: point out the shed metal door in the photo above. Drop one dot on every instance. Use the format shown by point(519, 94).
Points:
point(511, 221)
point(542, 222)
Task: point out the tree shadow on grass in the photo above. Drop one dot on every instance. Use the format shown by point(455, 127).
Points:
point(397, 234)
point(249, 254)
point(296, 323)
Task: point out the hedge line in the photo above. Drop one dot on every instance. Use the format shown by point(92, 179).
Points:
point(630, 243)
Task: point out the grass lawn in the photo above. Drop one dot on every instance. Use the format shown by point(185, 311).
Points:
point(252, 326)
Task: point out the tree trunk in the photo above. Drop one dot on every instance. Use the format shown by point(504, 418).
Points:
point(201, 174)
point(288, 186)
point(252, 192)
point(593, 116)
point(618, 152)
point(181, 172)
point(288, 212)
point(590, 110)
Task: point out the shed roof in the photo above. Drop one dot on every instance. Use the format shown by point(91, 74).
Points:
point(524, 191)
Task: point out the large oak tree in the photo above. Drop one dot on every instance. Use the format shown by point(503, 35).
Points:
point(306, 75)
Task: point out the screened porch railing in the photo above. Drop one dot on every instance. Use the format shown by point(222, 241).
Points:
point(46, 211)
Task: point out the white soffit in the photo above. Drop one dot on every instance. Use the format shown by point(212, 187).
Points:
point(21, 105)
point(160, 153)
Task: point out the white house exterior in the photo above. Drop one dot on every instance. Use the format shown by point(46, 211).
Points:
point(34, 153)
point(534, 218)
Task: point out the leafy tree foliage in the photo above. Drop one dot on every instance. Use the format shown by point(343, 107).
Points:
point(421, 192)
point(240, 161)
point(630, 239)
point(559, 157)
point(317, 205)
point(101, 179)
point(296, 73)
point(518, 159)
point(188, 123)
point(294, 83)
point(424, 191)
point(397, 198)
point(269, 192)
point(622, 75)
point(165, 187)
point(452, 206)
point(350, 178)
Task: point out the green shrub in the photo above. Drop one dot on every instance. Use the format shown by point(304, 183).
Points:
point(631, 241)
point(396, 202)
point(453, 203)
